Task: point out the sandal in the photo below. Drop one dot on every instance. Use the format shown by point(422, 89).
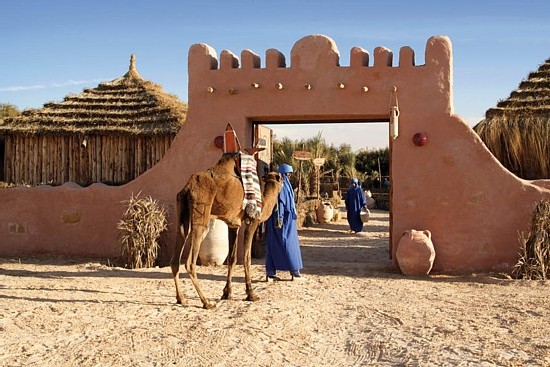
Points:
point(272, 278)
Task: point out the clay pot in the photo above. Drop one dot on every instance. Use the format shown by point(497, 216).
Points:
point(371, 203)
point(415, 252)
point(215, 246)
point(325, 212)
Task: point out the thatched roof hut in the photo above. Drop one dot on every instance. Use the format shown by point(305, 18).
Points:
point(109, 134)
point(517, 130)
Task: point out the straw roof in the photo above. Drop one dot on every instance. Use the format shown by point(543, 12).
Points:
point(128, 105)
point(517, 130)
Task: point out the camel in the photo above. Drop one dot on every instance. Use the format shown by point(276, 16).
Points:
point(218, 193)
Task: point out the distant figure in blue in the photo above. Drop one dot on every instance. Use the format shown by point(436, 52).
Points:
point(282, 246)
point(355, 201)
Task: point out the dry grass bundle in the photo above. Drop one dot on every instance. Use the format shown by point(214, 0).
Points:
point(521, 143)
point(142, 224)
point(534, 262)
point(517, 130)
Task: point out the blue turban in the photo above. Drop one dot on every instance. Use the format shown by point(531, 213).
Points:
point(285, 168)
point(355, 181)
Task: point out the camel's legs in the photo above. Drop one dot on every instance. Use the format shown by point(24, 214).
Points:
point(183, 212)
point(248, 238)
point(175, 265)
point(198, 232)
point(231, 261)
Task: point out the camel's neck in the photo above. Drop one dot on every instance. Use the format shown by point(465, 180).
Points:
point(226, 164)
point(270, 193)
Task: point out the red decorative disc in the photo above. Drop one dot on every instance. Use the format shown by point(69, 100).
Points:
point(420, 139)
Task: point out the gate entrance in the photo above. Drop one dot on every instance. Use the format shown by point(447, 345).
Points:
point(264, 136)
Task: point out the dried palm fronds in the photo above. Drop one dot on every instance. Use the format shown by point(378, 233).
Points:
point(520, 142)
point(141, 226)
point(517, 130)
point(534, 262)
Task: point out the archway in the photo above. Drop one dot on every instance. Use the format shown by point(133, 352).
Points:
point(265, 133)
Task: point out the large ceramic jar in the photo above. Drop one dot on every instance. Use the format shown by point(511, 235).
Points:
point(215, 246)
point(415, 252)
point(371, 203)
point(325, 212)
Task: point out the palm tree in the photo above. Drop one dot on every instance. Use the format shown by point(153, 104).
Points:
point(317, 145)
point(282, 151)
point(346, 159)
point(342, 161)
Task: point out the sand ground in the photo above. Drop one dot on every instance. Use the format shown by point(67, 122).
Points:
point(353, 310)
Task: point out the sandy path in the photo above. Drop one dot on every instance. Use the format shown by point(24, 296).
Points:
point(353, 310)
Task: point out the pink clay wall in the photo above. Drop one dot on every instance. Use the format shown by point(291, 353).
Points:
point(452, 186)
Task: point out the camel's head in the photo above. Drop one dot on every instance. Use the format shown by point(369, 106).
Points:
point(272, 183)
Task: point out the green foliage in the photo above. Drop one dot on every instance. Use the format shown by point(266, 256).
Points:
point(346, 160)
point(317, 145)
point(340, 161)
point(366, 162)
point(331, 162)
point(282, 151)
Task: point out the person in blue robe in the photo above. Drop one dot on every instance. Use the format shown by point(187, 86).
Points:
point(282, 244)
point(355, 200)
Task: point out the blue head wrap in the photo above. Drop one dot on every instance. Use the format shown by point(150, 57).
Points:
point(355, 181)
point(285, 168)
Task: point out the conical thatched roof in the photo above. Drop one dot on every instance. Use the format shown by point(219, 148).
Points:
point(517, 130)
point(126, 105)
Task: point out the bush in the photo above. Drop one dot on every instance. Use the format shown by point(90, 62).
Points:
point(141, 226)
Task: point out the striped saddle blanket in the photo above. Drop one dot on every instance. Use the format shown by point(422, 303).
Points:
point(252, 203)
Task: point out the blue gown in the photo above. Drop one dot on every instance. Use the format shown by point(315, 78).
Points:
point(355, 200)
point(282, 245)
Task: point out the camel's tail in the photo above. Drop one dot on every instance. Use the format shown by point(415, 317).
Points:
point(184, 213)
point(182, 207)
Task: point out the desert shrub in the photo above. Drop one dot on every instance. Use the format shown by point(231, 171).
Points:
point(534, 261)
point(142, 224)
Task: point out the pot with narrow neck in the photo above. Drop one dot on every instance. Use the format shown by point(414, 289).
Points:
point(325, 212)
point(415, 252)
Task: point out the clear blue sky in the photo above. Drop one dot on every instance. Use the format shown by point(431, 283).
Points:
point(52, 48)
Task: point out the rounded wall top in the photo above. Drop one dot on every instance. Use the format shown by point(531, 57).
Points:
point(314, 52)
point(201, 54)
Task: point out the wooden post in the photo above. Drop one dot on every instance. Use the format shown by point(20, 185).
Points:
point(318, 162)
point(379, 174)
point(299, 181)
point(301, 155)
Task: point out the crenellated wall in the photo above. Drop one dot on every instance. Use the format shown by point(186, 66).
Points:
point(452, 185)
point(314, 87)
